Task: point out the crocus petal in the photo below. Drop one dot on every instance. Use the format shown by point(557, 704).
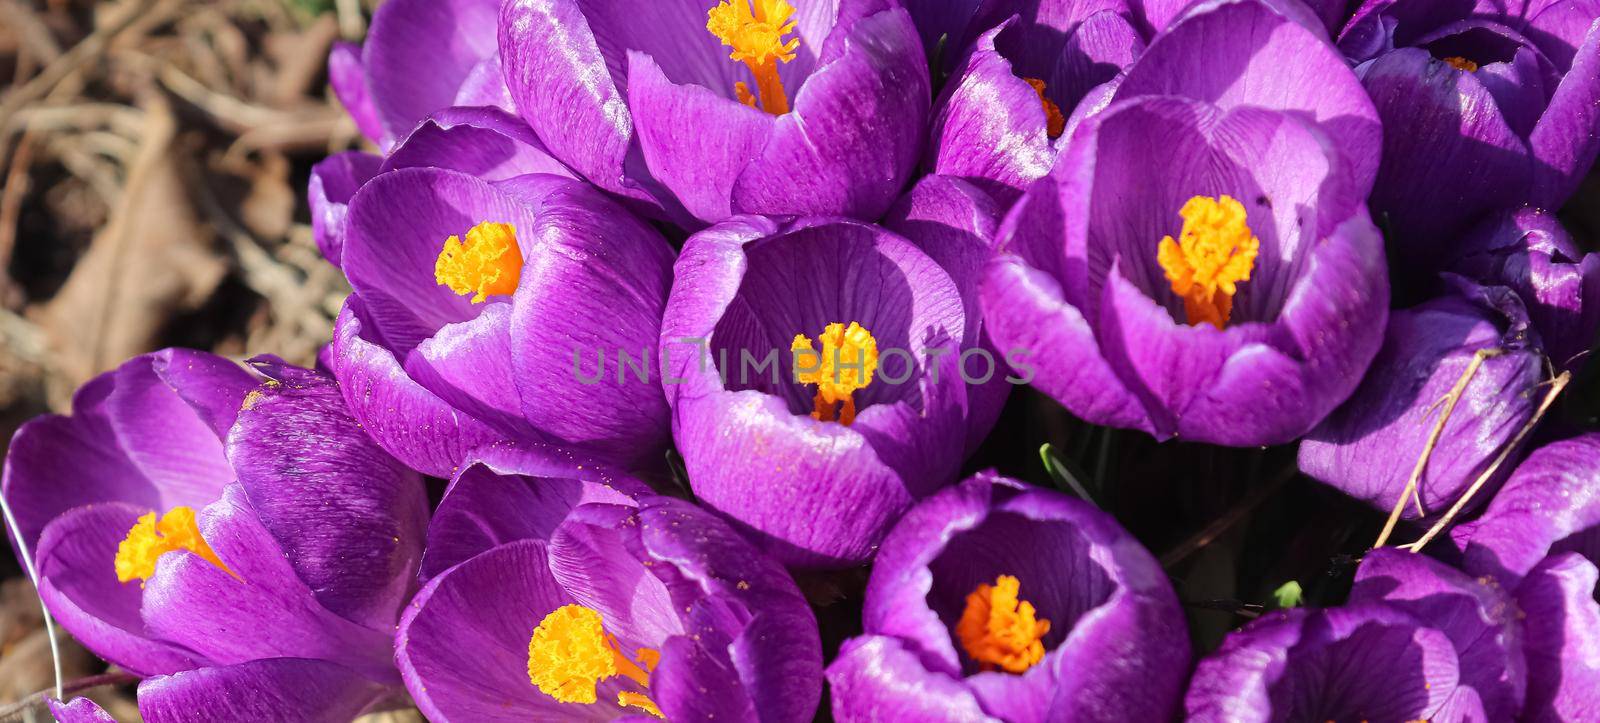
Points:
point(1051, 345)
point(954, 222)
point(1367, 661)
point(1456, 158)
point(598, 283)
point(1185, 60)
point(78, 710)
point(1562, 623)
point(334, 181)
point(1099, 49)
point(485, 86)
point(989, 126)
point(299, 689)
point(875, 678)
point(419, 52)
point(462, 646)
point(590, 558)
point(348, 517)
point(468, 364)
point(1369, 447)
point(348, 76)
point(562, 88)
point(1567, 137)
point(109, 449)
point(403, 417)
point(181, 455)
point(855, 133)
point(1550, 503)
point(78, 582)
point(1528, 250)
point(693, 683)
point(484, 142)
point(699, 167)
point(257, 607)
point(507, 494)
point(776, 655)
point(1476, 614)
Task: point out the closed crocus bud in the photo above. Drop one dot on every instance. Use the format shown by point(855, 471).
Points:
point(582, 609)
point(996, 601)
point(708, 109)
point(816, 380)
point(1485, 109)
point(420, 56)
point(236, 538)
point(490, 312)
point(1529, 251)
point(1369, 447)
point(1191, 271)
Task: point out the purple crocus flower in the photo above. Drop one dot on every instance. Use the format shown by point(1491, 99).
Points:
point(1039, 67)
point(1189, 270)
point(993, 600)
point(1529, 251)
point(449, 345)
point(1370, 446)
point(1418, 640)
point(420, 56)
point(1002, 115)
point(757, 106)
point(561, 598)
point(1529, 646)
point(1362, 662)
point(483, 142)
point(239, 541)
point(814, 380)
point(1490, 106)
point(1540, 536)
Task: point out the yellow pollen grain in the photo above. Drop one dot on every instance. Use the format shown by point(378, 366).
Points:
point(755, 29)
point(1055, 122)
point(488, 263)
point(1460, 63)
point(149, 539)
point(1214, 253)
point(846, 362)
point(1000, 631)
point(570, 653)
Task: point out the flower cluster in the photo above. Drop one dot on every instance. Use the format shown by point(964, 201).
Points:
point(809, 246)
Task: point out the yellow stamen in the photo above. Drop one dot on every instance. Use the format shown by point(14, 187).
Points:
point(149, 539)
point(755, 30)
point(571, 652)
point(628, 698)
point(1460, 63)
point(846, 363)
point(998, 630)
point(488, 264)
point(1214, 253)
point(1055, 123)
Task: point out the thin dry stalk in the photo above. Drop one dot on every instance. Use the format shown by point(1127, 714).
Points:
point(1556, 385)
point(1450, 401)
